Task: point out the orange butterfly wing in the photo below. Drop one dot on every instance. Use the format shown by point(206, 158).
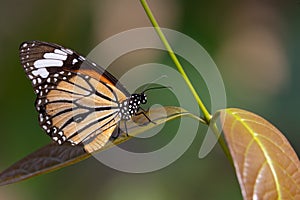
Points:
point(77, 100)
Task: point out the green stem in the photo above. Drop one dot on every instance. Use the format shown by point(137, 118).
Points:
point(206, 114)
point(221, 140)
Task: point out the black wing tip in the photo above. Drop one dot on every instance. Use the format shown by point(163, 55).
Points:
point(29, 43)
point(26, 43)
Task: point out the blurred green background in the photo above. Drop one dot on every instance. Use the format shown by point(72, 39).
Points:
point(255, 45)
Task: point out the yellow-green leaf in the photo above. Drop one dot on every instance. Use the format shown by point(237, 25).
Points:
point(53, 156)
point(266, 165)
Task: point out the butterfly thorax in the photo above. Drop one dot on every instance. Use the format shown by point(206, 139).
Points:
point(131, 105)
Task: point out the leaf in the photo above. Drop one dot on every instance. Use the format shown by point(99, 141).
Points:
point(266, 165)
point(45, 159)
point(52, 156)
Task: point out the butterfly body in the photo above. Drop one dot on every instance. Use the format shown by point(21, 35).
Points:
point(130, 106)
point(77, 100)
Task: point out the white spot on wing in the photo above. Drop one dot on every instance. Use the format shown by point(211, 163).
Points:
point(41, 72)
point(69, 51)
point(55, 56)
point(81, 58)
point(74, 61)
point(47, 63)
point(41, 118)
point(58, 51)
point(25, 45)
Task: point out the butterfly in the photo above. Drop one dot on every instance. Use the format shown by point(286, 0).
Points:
point(77, 100)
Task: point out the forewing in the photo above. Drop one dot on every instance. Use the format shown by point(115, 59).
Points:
point(76, 99)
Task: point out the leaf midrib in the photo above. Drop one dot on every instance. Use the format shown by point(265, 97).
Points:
point(264, 150)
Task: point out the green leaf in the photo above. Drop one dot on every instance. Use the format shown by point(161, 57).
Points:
point(266, 165)
point(52, 156)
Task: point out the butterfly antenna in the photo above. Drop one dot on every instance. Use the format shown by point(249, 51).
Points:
point(155, 80)
point(156, 88)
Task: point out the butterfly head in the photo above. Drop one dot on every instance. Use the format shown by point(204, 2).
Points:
point(135, 100)
point(143, 98)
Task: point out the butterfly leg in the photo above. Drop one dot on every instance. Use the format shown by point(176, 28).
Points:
point(143, 112)
point(115, 136)
point(126, 130)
